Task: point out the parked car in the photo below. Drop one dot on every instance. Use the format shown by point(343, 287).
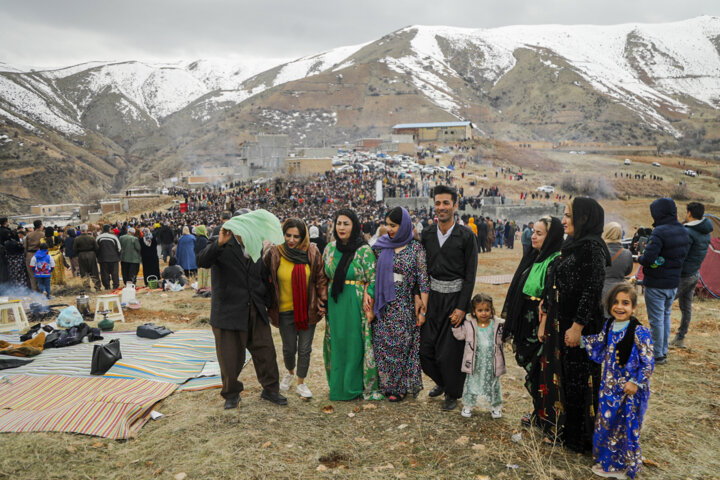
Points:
point(691, 173)
point(546, 189)
point(656, 164)
point(164, 191)
point(627, 161)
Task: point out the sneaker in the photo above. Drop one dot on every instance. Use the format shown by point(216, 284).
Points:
point(286, 382)
point(496, 412)
point(598, 470)
point(661, 361)
point(678, 342)
point(304, 391)
point(466, 412)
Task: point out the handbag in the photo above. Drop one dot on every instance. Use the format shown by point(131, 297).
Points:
point(150, 330)
point(104, 357)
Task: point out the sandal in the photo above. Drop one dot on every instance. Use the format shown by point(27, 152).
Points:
point(396, 398)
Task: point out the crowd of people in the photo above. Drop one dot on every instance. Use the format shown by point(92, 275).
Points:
point(402, 303)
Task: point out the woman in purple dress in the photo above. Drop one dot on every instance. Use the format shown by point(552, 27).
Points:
point(401, 274)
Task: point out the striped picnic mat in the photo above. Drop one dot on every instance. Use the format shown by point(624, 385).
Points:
point(175, 358)
point(104, 407)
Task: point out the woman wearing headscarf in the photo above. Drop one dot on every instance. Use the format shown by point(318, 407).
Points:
point(317, 239)
point(521, 306)
point(401, 271)
point(347, 347)
point(149, 255)
point(621, 262)
point(300, 298)
point(570, 380)
point(186, 251)
point(203, 280)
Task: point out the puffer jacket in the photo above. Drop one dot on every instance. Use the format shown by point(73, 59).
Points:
point(467, 331)
point(669, 240)
point(317, 289)
point(699, 233)
point(108, 248)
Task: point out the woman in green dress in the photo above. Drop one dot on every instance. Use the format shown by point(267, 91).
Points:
point(347, 349)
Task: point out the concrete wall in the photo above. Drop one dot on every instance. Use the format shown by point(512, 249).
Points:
point(521, 213)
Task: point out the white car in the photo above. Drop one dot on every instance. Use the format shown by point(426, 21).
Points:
point(691, 173)
point(546, 189)
point(656, 164)
point(164, 191)
point(627, 161)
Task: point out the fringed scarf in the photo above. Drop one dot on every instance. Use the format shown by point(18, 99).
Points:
point(299, 257)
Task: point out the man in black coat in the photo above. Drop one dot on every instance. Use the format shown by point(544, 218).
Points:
point(238, 316)
point(482, 233)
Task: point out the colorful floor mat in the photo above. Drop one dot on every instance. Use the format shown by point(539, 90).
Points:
point(175, 358)
point(104, 407)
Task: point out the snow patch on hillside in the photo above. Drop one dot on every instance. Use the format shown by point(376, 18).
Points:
point(32, 105)
point(314, 64)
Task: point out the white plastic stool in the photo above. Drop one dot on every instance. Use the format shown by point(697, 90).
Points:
point(110, 303)
point(19, 321)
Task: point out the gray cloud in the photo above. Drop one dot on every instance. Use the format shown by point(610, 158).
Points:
point(54, 33)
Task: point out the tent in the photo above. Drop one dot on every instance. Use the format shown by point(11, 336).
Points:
point(709, 282)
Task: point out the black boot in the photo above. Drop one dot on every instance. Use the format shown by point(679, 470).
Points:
point(273, 397)
point(436, 391)
point(450, 403)
point(232, 402)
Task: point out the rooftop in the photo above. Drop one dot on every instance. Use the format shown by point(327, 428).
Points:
point(432, 125)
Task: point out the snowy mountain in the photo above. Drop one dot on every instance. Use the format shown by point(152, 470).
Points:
point(631, 83)
point(653, 70)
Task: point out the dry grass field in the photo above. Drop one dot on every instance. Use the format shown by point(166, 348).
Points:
point(197, 439)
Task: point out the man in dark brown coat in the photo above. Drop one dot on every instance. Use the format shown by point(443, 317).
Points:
point(239, 319)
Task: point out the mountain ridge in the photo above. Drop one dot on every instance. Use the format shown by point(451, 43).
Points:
point(630, 83)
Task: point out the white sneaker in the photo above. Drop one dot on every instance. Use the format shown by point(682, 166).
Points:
point(466, 412)
point(286, 382)
point(496, 412)
point(304, 391)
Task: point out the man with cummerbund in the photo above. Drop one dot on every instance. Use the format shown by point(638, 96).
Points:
point(452, 265)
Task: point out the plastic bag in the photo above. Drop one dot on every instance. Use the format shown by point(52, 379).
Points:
point(69, 317)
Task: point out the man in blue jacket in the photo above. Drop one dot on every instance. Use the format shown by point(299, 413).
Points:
point(698, 229)
point(662, 263)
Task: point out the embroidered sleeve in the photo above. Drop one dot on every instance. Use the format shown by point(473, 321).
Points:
point(593, 263)
point(423, 281)
point(646, 358)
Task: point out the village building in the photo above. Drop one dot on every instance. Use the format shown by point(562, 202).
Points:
point(436, 132)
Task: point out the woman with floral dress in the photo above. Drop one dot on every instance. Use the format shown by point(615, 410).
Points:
point(347, 349)
point(401, 271)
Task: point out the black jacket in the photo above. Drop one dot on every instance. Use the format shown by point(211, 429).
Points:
point(165, 235)
point(669, 239)
point(236, 281)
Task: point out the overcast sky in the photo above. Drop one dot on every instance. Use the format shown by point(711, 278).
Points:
point(64, 32)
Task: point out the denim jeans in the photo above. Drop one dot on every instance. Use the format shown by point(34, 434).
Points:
point(658, 302)
point(295, 342)
point(684, 295)
point(44, 285)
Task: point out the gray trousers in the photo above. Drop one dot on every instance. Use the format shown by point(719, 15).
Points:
point(295, 342)
point(684, 296)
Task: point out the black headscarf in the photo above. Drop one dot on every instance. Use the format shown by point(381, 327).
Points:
point(512, 309)
point(588, 219)
point(348, 249)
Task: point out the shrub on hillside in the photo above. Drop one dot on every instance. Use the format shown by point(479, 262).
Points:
point(680, 192)
point(595, 187)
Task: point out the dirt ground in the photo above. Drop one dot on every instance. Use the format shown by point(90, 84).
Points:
point(412, 439)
